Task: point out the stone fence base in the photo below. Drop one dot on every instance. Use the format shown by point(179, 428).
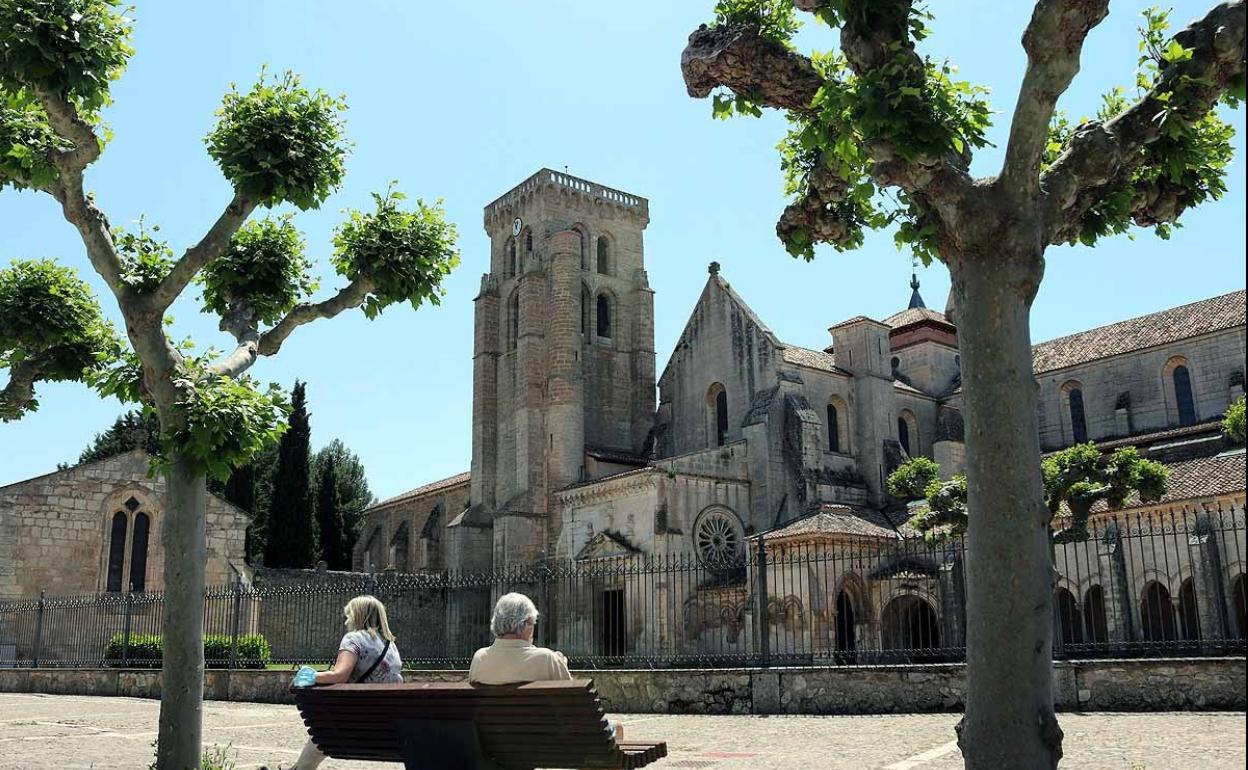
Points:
point(1159, 684)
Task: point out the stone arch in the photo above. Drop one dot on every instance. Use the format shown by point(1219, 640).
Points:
point(605, 315)
point(837, 424)
point(1095, 621)
point(716, 414)
point(1068, 619)
point(908, 432)
point(375, 550)
point(604, 254)
point(1188, 612)
point(852, 611)
point(1157, 621)
point(583, 232)
point(1178, 383)
point(400, 548)
point(1074, 417)
point(909, 623)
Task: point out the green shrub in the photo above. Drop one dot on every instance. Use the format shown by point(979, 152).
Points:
point(253, 650)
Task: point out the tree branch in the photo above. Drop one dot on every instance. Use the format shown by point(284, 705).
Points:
point(1101, 156)
point(209, 248)
point(19, 394)
point(1053, 41)
point(77, 207)
point(753, 66)
point(253, 345)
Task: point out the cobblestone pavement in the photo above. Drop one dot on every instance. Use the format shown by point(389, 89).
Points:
point(59, 731)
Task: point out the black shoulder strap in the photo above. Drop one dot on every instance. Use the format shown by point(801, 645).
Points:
point(376, 663)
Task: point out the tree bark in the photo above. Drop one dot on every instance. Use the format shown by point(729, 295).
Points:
point(1009, 718)
point(182, 671)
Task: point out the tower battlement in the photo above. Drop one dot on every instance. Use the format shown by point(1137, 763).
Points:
point(503, 208)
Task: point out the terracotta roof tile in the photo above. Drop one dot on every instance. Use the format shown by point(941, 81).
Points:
point(1197, 478)
point(814, 359)
point(1146, 331)
point(914, 315)
point(838, 520)
point(433, 486)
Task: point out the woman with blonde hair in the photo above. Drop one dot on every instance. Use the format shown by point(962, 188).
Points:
point(367, 654)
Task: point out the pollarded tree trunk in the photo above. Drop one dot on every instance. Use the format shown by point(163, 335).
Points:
point(1009, 718)
point(182, 670)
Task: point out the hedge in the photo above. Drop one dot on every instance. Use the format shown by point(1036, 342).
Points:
point(253, 650)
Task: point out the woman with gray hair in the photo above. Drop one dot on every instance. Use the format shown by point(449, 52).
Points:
point(513, 658)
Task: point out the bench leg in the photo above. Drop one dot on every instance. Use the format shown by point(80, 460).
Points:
point(441, 744)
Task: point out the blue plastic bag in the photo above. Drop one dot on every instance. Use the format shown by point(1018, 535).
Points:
point(305, 677)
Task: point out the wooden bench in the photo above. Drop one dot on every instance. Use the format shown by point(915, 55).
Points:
point(462, 726)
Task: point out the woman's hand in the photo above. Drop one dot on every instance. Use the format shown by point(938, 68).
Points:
point(341, 671)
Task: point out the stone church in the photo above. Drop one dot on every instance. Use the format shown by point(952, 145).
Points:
point(573, 459)
point(574, 462)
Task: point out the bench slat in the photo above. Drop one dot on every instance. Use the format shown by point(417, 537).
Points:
point(546, 724)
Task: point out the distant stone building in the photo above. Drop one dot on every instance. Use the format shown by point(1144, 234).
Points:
point(95, 528)
point(573, 462)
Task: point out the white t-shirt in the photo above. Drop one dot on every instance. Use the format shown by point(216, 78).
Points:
point(367, 649)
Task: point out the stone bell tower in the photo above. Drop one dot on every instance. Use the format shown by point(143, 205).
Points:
point(564, 353)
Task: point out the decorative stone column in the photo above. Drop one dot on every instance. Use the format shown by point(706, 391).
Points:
point(1202, 548)
point(1119, 609)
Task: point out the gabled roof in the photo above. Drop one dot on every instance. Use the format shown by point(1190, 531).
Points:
point(716, 281)
point(433, 486)
point(830, 519)
point(1146, 331)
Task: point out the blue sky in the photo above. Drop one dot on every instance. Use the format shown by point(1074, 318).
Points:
point(464, 100)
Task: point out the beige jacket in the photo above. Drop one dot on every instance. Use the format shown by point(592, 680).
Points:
point(515, 660)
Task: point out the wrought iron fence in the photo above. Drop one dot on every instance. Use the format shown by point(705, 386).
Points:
point(1167, 583)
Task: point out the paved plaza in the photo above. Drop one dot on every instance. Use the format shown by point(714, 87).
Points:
point(57, 731)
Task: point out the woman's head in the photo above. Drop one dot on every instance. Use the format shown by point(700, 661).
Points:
point(514, 615)
point(367, 613)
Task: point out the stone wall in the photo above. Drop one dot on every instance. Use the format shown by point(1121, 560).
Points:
point(407, 534)
point(55, 530)
point(1157, 684)
point(1212, 361)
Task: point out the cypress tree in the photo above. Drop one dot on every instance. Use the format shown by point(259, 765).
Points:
point(291, 536)
point(329, 517)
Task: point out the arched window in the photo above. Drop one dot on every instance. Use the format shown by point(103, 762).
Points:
point(908, 432)
point(1183, 399)
point(510, 260)
point(838, 425)
point(1069, 626)
point(528, 241)
point(116, 552)
point(604, 316)
point(1094, 623)
point(604, 256)
point(1157, 614)
point(1078, 423)
point(580, 230)
point(716, 414)
point(1189, 621)
point(513, 321)
point(1180, 398)
point(895, 363)
point(138, 553)
point(845, 621)
point(587, 304)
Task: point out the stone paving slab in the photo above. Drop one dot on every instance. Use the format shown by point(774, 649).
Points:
point(41, 732)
